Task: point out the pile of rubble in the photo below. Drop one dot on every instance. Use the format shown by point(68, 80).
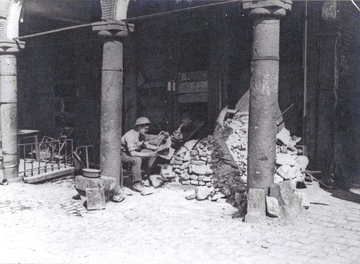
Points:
point(290, 163)
point(219, 161)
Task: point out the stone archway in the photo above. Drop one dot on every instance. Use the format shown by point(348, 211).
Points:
point(12, 19)
point(112, 10)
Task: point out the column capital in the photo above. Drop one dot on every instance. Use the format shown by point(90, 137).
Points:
point(267, 8)
point(270, 13)
point(10, 46)
point(252, 4)
point(113, 28)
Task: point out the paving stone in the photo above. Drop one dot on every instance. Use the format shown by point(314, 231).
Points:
point(325, 219)
point(336, 239)
point(353, 218)
point(353, 243)
point(345, 254)
point(277, 240)
point(336, 258)
point(318, 261)
point(292, 244)
point(173, 221)
point(339, 222)
point(306, 240)
point(351, 235)
point(353, 249)
point(331, 225)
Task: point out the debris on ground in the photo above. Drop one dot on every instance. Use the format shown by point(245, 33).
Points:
point(218, 162)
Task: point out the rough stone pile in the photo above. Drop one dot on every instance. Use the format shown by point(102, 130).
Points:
point(289, 159)
point(219, 161)
point(237, 142)
point(209, 163)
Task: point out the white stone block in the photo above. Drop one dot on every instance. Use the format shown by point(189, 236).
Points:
point(203, 192)
point(284, 136)
point(204, 169)
point(302, 161)
point(285, 159)
point(272, 206)
point(304, 199)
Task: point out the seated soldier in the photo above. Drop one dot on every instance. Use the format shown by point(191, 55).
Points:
point(133, 142)
point(184, 131)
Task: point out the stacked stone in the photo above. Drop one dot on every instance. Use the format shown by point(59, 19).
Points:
point(220, 160)
point(180, 163)
point(193, 166)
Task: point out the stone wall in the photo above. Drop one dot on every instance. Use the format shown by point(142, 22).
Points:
point(337, 96)
point(347, 112)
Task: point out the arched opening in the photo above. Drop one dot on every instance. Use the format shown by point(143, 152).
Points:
point(59, 73)
point(13, 18)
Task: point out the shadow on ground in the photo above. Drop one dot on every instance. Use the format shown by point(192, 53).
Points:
point(347, 194)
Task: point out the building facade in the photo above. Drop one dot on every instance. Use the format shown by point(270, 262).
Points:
point(98, 65)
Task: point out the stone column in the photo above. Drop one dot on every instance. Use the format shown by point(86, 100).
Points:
point(111, 95)
point(8, 108)
point(264, 90)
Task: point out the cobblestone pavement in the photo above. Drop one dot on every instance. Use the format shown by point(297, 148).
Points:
point(43, 224)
